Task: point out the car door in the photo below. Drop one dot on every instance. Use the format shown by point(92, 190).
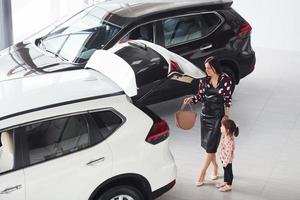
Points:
point(66, 158)
point(12, 185)
point(191, 36)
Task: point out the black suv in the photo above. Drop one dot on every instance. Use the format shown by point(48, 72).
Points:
point(193, 29)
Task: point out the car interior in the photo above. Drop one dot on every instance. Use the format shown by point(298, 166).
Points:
point(144, 32)
point(6, 152)
point(56, 137)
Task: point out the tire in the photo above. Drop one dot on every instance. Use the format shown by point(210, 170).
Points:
point(230, 73)
point(125, 191)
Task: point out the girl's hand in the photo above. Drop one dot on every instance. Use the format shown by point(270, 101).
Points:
point(188, 100)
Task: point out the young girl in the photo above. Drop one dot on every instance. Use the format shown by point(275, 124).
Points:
point(227, 145)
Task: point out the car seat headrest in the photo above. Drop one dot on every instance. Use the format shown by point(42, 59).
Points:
point(7, 141)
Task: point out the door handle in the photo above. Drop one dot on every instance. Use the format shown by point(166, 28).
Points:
point(11, 189)
point(94, 162)
point(205, 47)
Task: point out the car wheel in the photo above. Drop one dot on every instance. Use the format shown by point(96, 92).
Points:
point(123, 192)
point(231, 74)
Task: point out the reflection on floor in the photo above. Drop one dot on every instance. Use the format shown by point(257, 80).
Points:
point(266, 105)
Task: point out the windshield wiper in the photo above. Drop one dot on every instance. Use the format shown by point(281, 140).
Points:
point(55, 54)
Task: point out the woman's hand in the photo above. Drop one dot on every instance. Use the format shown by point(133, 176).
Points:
point(188, 100)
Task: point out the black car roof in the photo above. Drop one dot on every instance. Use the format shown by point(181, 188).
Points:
point(124, 13)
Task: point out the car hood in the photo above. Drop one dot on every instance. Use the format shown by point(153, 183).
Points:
point(26, 59)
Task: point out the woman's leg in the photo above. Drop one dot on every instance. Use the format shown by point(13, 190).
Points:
point(220, 185)
point(215, 164)
point(208, 159)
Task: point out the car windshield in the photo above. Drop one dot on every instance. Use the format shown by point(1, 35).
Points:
point(76, 39)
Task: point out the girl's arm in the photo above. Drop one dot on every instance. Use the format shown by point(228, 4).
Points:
point(228, 153)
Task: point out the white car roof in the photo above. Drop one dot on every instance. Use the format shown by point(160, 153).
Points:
point(33, 92)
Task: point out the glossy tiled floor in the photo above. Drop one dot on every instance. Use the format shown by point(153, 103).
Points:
point(266, 106)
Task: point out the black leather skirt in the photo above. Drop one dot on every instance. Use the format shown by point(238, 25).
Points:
point(211, 116)
point(210, 133)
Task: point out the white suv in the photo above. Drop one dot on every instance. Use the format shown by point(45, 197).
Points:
point(77, 135)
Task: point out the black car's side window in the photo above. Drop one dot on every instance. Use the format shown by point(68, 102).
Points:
point(188, 28)
point(107, 122)
point(144, 32)
point(56, 137)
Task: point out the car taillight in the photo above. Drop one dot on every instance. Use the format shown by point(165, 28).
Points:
point(158, 132)
point(244, 29)
point(174, 67)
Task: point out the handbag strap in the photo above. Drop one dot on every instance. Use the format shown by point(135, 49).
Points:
point(183, 105)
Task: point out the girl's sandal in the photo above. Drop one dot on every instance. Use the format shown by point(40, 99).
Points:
point(219, 185)
point(226, 188)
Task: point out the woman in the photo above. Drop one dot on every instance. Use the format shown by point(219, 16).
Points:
point(215, 94)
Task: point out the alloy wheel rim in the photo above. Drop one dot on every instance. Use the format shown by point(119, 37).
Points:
point(122, 197)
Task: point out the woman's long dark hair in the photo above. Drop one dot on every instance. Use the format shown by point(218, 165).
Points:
point(214, 63)
point(232, 128)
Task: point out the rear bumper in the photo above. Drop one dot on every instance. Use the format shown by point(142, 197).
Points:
point(157, 193)
point(161, 172)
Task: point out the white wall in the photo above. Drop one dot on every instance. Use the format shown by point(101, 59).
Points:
point(276, 24)
point(30, 16)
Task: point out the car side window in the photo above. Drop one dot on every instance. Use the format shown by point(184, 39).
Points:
point(107, 122)
point(56, 137)
point(144, 32)
point(188, 28)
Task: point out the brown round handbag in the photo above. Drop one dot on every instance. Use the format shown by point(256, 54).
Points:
point(185, 119)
